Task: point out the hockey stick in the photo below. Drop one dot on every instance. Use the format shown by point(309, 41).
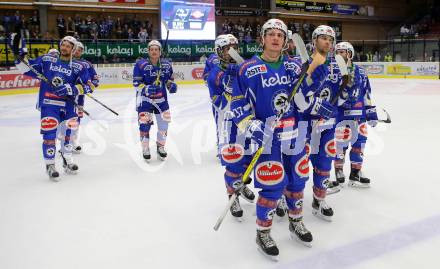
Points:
point(299, 43)
point(102, 104)
point(388, 120)
point(344, 72)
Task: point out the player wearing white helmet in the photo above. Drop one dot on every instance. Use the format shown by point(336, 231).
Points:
point(93, 82)
point(64, 80)
point(259, 100)
point(152, 77)
point(230, 143)
point(54, 52)
point(320, 135)
point(353, 117)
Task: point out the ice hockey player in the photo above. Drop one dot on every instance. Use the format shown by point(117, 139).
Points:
point(152, 77)
point(93, 83)
point(321, 132)
point(67, 78)
point(353, 116)
point(213, 61)
point(231, 144)
point(260, 92)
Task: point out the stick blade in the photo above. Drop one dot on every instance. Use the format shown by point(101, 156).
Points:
point(234, 55)
point(300, 47)
point(341, 64)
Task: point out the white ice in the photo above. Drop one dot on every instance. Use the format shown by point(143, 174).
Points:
point(120, 212)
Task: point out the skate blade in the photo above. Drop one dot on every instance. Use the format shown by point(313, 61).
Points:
point(54, 179)
point(333, 191)
point(70, 172)
point(161, 158)
point(320, 216)
point(238, 219)
point(359, 185)
point(147, 160)
point(296, 238)
point(270, 257)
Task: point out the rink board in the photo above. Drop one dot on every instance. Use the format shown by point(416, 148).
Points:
point(121, 77)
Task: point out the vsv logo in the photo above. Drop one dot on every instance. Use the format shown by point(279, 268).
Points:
point(273, 81)
point(58, 68)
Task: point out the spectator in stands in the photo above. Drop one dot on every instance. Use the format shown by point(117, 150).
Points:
point(404, 31)
point(388, 57)
point(2, 33)
point(47, 36)
point(376, 56)
point(143, 35)
point(248, 38)
point(84, 30)
point(35, 32)
point(70, 26)
point(35, 19)
point(61, 25)
point(23, 26)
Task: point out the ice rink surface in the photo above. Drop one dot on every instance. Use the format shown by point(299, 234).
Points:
point(120, 212)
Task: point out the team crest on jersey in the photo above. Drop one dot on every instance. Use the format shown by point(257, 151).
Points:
point(280, 104)
point(255, 70)
point(302, 166)
point(57, 81)
point(269, 173)
point(232, 153)
point(325, 94)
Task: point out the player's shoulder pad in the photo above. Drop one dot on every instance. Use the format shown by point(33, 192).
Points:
point(165, 64)
point(141, 62)
point(361, 70)
point(251, 68)
point(49, 58)
point(78, 65)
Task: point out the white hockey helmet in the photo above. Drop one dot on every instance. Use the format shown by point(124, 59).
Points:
point(324, 30)
point(274, 24)
point(154, 43)
point(71, 40)
point(79, 45)
point(54, 52)
point(222, 41)
point(345, 46)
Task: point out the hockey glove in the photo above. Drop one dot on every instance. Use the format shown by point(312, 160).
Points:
point(256, 133)
point(172, 86)
point(371, 115)
point(66, 90)
point(322, 108)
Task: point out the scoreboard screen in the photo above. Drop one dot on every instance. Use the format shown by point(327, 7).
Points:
point(188, 19)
